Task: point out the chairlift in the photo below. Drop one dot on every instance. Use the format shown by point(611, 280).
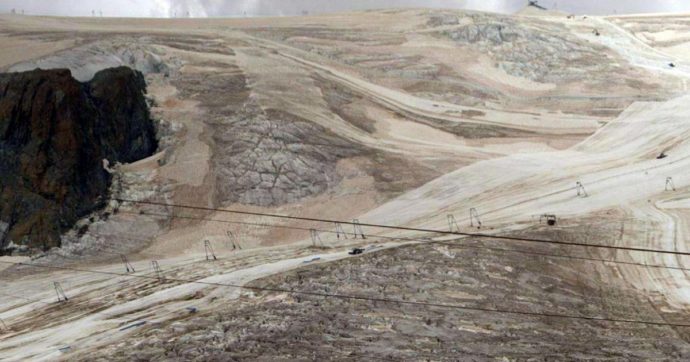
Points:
point(356, 251)
point(550, 219)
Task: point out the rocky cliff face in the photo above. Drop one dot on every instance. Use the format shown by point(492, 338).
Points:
point(55, 133)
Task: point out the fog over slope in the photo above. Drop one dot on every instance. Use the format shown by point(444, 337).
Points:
point(219, 8)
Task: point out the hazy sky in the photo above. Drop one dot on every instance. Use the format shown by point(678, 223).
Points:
point(203, 8)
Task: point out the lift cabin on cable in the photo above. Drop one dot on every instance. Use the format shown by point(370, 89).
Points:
point(535, 3)
point(549, 218)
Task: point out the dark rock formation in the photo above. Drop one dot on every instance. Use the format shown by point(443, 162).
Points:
point(55, 133)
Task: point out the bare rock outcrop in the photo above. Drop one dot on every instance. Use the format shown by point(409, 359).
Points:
point(55, 133)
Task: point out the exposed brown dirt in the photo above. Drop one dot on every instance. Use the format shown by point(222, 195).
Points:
point(296, 327)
